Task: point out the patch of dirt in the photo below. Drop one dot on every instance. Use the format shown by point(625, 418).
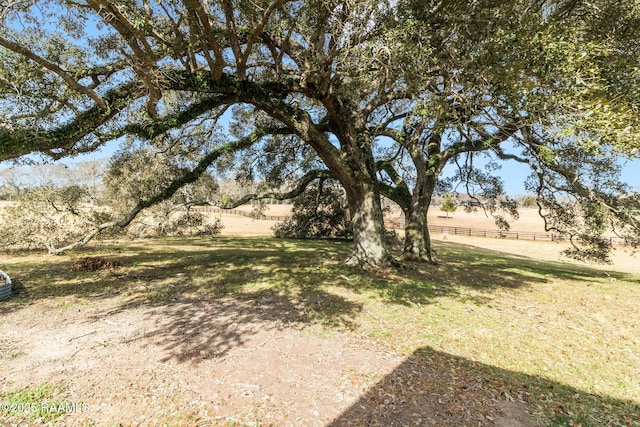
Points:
point(228, 360)
point(94, 264)
point(513, 414)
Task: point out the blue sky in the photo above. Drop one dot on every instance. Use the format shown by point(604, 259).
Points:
point(514, 175)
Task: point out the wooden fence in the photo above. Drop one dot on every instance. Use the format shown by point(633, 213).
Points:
point(213, 209)
point(498, 234)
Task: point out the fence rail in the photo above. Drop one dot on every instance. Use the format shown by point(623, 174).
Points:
point(499, 234)
point(213, 209)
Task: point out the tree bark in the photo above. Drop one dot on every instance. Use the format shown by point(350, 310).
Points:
point(417, 241)
point(368, 226)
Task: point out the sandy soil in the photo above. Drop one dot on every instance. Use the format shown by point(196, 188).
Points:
point(236, 225)
point(529, 220)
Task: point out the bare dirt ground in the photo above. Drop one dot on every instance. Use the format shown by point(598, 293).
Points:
point(227, 362)
point(231, 361)
point(189, 363)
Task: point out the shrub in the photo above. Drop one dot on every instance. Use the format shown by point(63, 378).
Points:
point(319, 212)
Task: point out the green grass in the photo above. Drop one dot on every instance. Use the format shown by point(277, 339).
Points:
point(563, 337)
point(34, 402)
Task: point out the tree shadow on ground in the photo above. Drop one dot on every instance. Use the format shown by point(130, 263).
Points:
point(195, 330)
point(159, 272)
point(207, 297)
point(435, 388)
point(463, 268)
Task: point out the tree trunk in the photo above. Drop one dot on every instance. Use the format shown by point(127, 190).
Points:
point(417, 242)
point(368, 226)
point(352, 164)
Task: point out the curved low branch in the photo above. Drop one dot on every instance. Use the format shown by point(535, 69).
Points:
point(303, 183)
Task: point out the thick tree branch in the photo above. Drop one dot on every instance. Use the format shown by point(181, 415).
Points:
point(217, 64)
point(399, 192)
point(145, 61)
point(302, 185)
point(161, 125)
point(68, 79)
point(227, 9)
point(257, 30)
point(17, 142)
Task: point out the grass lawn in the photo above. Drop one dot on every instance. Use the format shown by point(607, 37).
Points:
point(563, 338)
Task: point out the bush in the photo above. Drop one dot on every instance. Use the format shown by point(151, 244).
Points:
point(320, 212)
point(48, 217)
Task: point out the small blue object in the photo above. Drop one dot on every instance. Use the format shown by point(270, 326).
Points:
point(5, 290)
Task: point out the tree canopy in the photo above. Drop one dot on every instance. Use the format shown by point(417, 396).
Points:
point(377, 95)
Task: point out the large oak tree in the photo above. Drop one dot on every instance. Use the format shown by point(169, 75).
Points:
point(441, 79)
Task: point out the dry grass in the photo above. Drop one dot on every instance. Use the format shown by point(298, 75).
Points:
point(529, 220)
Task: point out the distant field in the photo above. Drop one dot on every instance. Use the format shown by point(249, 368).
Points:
point(529, 219)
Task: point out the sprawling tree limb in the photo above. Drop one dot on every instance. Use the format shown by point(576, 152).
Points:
point(17, 142)
point(160, 125)
point(302, 185)
point(187, 177)
point(68, 79)
point(486, 141)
